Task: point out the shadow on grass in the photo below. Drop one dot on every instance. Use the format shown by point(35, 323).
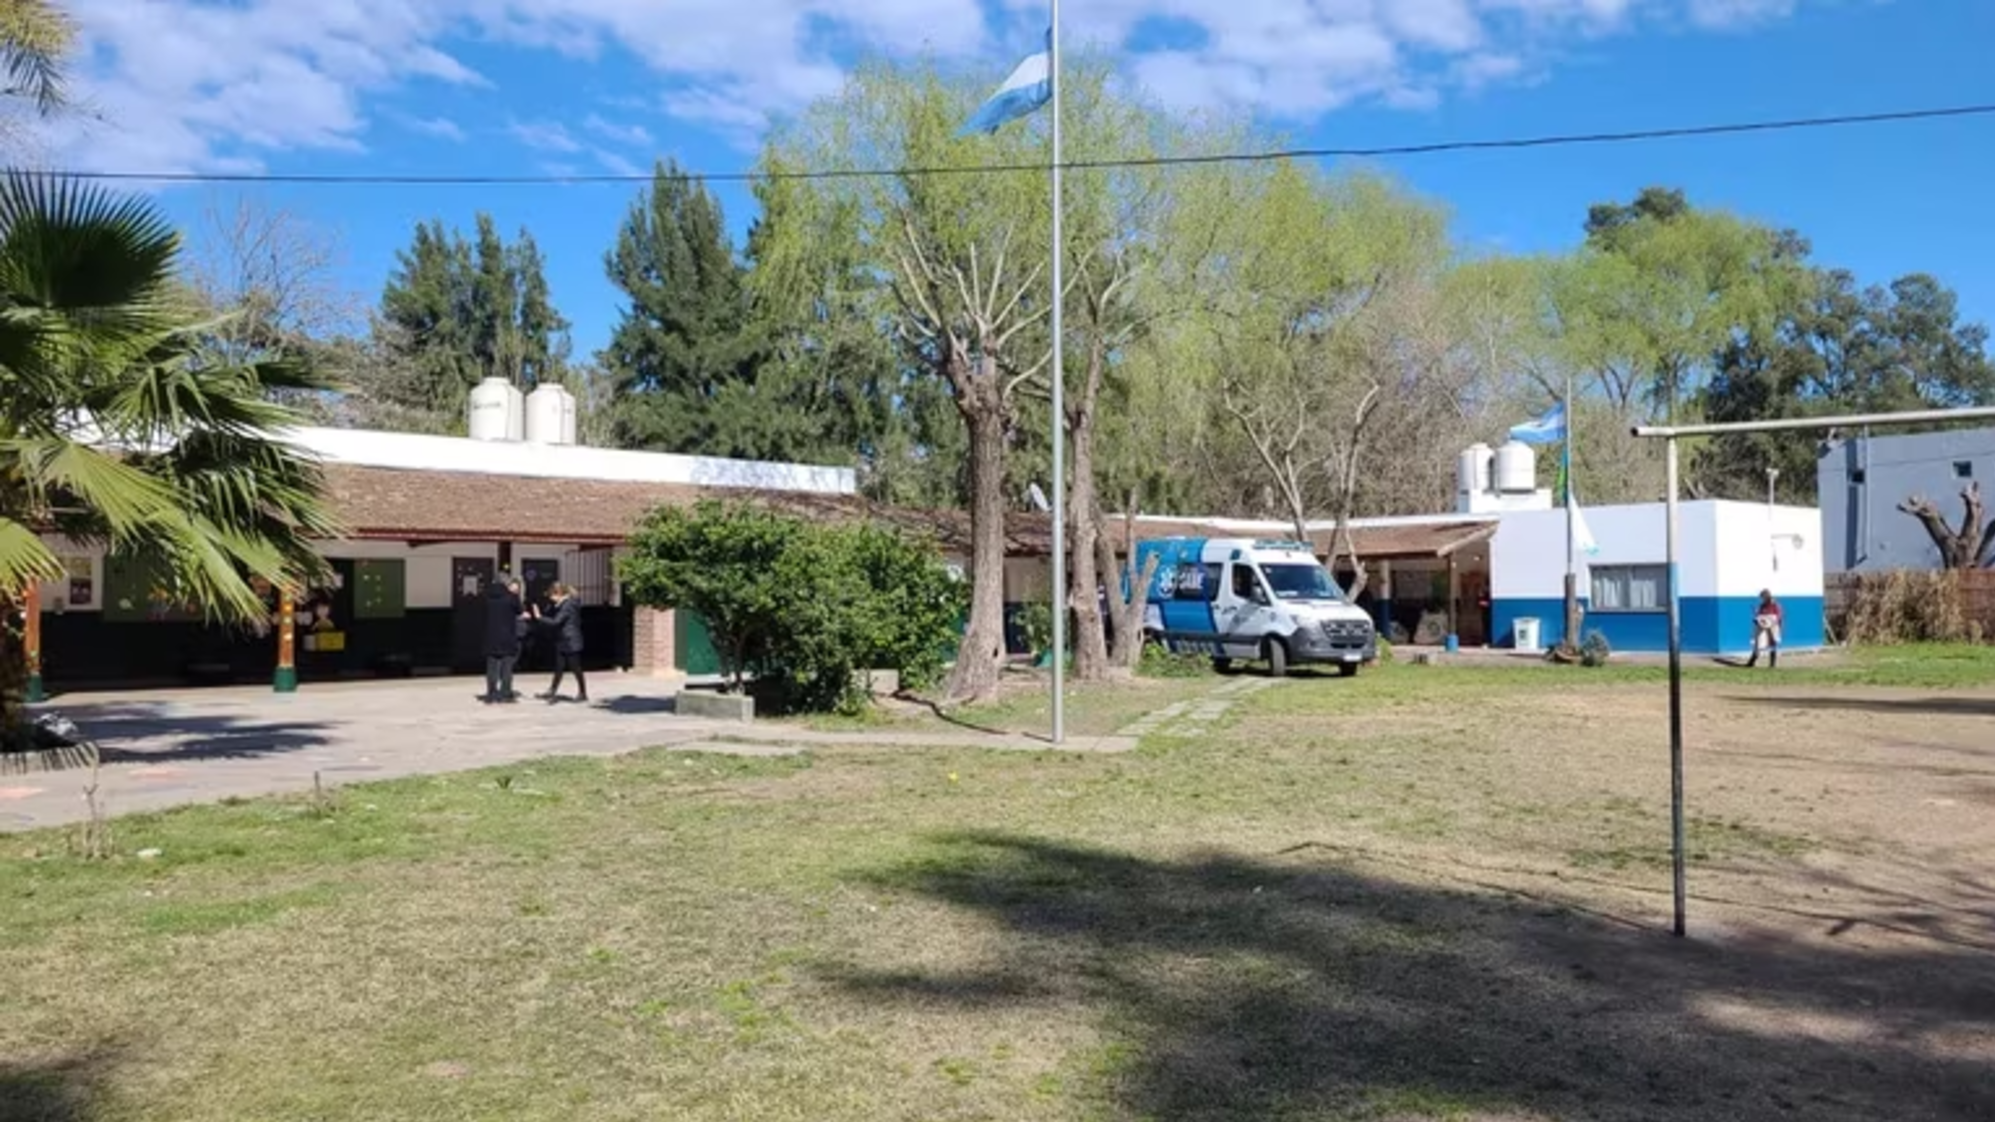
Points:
point(1937, 705)
point(1258, 990)
point(67, 1090)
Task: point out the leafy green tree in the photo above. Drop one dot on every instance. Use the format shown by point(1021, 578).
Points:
point(112, 426)
point(1843, 349)
point(799, 607)
point(965, 256)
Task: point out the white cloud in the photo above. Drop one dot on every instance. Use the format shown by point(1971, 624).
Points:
point(633, 135)
point(1738, 13)
point(191, 84)
point(548, 136)
point(443, 128)
point(615, 163)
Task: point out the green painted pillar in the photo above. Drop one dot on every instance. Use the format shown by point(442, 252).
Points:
point(286, 678)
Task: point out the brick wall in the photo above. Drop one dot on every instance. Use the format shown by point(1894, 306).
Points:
point(653, 643)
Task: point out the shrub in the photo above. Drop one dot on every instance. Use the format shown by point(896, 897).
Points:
point(1593, 649)
point(1384, 651)
point(800, 608)
point(1035, 626)
point(1159, 661)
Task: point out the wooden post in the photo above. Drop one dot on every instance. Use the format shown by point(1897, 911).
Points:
point(1454, 600)
point(31, 639)
point(286, 679)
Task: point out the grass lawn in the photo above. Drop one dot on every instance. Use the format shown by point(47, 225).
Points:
point(1424, 893)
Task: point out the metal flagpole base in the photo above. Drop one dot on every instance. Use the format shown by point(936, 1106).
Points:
point(285, 680)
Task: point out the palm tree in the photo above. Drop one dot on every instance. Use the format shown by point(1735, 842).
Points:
point(35, 39)
point(113, 429)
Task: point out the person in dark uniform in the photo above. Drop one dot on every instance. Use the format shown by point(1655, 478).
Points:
point(564, 622)
point(505, 619)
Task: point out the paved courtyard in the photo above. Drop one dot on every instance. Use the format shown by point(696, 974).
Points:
point(164, 748)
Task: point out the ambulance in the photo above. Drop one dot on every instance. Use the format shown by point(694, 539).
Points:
point(1238, 599)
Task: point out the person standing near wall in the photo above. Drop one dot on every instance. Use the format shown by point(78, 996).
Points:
point(565, 623)
point(503, 618)
point(1767, 620)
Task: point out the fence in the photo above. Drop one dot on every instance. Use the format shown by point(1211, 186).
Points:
point(1909, 605)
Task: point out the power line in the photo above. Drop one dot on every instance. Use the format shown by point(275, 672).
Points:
point(1436, 147)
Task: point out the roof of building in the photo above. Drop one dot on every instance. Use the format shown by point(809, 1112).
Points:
point(400, 504)
point(421, 452)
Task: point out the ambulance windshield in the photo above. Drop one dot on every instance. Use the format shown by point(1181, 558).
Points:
point(1301, 582)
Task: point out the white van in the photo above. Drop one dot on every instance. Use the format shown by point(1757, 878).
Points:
point(1237, 598)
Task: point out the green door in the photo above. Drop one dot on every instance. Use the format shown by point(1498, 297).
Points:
point(692, 647)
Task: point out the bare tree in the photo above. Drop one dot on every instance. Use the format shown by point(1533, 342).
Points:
point(274, 273)
point(1970, 545)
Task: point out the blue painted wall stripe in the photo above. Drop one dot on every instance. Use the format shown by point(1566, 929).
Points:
point(1711, 624)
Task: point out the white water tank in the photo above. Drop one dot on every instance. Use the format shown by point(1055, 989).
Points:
point(550, 415)
point(1472, 470)
point(1516, 469)
point(498, 411)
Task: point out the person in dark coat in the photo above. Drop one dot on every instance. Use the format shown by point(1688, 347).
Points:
point(564, 622)
point(505, 619)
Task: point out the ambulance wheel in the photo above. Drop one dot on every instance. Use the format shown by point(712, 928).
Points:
point(1277, 659)
point(1347, 670)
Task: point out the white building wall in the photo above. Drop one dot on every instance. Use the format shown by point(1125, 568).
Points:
point(1778, 548)
point(1528, 554)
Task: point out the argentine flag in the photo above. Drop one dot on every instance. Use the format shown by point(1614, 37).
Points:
point(1029, 87)
point(1547, 429)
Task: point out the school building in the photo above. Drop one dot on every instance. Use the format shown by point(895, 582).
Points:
point(431, 521)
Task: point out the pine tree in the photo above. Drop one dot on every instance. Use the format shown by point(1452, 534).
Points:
point(543, 331)
point(455, 312)
point(424, 322)
point(682, 341)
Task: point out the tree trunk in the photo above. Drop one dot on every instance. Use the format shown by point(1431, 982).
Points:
point(13, 664)
point(1091, 663)
point(1343, 545)
point(1963, 548)
point(1127, 610)
point(981, 655)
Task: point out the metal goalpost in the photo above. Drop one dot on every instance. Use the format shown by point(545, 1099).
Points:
point(1669, 435)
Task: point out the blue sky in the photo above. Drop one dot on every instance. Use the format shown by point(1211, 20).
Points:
point(528, 86)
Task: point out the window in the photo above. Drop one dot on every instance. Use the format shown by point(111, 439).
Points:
point(1301, 582)
point(1963, 469)
point(1630, 588)
point(1244, 584)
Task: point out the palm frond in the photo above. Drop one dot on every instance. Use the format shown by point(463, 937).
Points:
point(23, 557)
point(35, 39)
point(71, 245)
point(124, 497)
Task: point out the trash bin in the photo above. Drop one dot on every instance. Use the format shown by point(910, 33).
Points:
point(1526, 633)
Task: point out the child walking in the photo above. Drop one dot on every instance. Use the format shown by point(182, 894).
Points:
point(1767, 618)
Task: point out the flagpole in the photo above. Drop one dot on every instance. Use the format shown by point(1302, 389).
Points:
point(1059, 406)
point(1572, 565)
